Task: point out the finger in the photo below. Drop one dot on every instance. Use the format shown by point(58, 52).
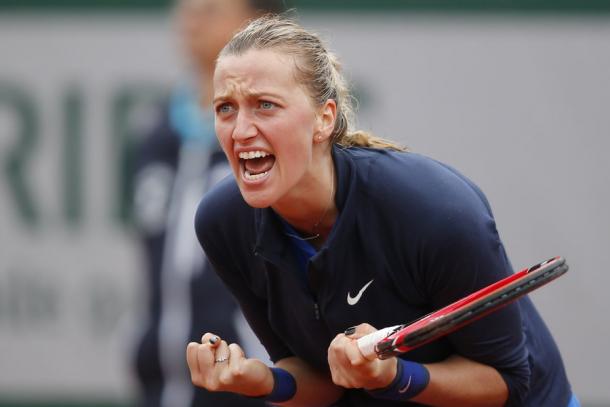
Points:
point(360, 330)
point(205, 357)
point(335, 349)
point(222, 354)
point(337, 360)
point(332, 356)
point(202, 362)
point(191, 360)
point(353, 354)
point(210, 338)
point(236, 355)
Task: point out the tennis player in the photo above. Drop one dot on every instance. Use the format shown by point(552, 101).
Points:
point(325, 233)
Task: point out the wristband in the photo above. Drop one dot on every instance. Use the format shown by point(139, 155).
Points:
point(284, 386)
point(411, 379)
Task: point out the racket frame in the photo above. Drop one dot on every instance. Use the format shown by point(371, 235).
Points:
point(399, 339)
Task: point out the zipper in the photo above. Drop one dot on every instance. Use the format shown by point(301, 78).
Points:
point(316, 308)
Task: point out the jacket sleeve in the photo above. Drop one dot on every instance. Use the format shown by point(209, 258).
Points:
point(451, 248)
point(221, 237)
point(462, 254)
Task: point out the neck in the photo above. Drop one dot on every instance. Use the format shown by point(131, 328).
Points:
point(311, 210)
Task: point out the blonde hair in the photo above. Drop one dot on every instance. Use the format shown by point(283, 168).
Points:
point(317, 69)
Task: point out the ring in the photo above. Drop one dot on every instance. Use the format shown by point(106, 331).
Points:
point(220, 360)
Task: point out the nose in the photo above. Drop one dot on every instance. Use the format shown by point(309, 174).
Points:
point(245, 128)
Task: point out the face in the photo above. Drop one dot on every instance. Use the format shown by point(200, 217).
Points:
point(205, 26)
point(268, 126)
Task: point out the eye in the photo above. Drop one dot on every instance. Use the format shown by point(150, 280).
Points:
point(266, 105)
point(224, 108)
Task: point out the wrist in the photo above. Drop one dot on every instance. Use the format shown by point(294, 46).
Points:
point(281, 386)
point(263, 387)
point(411, 379)
point(387, 372)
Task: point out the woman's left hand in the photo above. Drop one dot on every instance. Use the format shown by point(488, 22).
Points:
point(350, 369)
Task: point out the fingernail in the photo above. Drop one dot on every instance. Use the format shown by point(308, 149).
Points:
point(350, 331)
point(213, 340)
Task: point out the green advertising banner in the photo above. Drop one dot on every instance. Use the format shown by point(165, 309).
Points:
point(577, 6)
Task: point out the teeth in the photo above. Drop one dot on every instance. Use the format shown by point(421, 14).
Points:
point(253, 177)
point(247, 155)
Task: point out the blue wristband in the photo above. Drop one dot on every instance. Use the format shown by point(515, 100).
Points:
point(411, 378)
point(284, 386)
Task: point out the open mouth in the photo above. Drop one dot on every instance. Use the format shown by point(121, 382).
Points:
point(256, 164)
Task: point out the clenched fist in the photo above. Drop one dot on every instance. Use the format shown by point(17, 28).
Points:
point(218, 366)
point(350, 369)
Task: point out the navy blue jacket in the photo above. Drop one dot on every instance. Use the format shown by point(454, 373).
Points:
point(426, 237)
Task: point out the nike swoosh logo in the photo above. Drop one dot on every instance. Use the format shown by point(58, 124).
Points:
point(354, 300)
point(404, 389)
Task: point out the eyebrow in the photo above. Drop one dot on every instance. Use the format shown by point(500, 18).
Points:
point(249, 94)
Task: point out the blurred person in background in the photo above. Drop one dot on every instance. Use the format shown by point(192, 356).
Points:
point(175, 164)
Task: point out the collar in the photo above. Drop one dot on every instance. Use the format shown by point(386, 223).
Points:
point(273, 244)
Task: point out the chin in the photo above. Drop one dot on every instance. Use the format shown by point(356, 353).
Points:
point(256, 199)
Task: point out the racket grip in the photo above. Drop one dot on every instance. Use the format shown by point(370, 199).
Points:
point(367, 343)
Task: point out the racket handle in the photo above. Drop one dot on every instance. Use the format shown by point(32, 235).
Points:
point(367, 343)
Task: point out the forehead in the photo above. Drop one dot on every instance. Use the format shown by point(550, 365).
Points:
point(258, 70)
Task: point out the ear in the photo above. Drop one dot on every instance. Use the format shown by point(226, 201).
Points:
point(325, 121)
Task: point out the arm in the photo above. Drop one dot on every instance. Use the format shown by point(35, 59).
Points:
point(247, 376)
point(459, 252)
point(313, 388)
point(457, 382)
point(443, 245)
point(465, 258)
point(454, 382)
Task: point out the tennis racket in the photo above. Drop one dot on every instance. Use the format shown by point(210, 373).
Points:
point(394, 340)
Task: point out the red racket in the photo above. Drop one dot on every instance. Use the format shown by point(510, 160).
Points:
point(398, 339)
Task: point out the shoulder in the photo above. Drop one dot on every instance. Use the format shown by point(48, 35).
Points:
point(382, 167)
point(415, 191)
point(414, 180)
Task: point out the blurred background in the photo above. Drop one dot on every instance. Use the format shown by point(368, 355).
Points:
point(515, 94)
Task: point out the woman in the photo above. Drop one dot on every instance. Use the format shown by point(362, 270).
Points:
point(323, 229)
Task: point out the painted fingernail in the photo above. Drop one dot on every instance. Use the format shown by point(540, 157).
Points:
point(350, 331)
point(213, 340)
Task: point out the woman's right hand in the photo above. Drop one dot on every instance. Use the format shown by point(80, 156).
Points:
point(217, 366)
